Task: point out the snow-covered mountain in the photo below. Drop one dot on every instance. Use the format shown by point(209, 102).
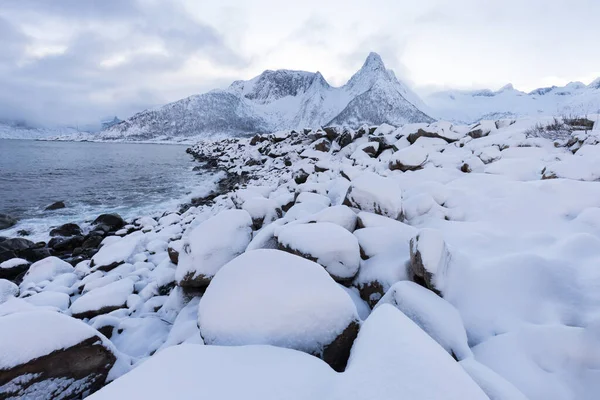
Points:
point(575, 98)
point(10, 130)
point(281, 99)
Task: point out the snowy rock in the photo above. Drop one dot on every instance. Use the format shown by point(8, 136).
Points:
point(398, 359)
point(117, 252)
point(409, 159)
point(272, 297)
point(12, 268)
point(431, 313)
point(47, 355)
point(429, 259)
point(211, 245)
point(169, 219)
point(7, 290)
point(340, 215)
point(494, 386)
point(326, 243)
point(262, 211)
point(374, 193)
point(47, 298)
point(46, 270)
point(103, 299)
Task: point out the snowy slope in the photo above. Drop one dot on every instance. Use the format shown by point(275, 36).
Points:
point(469, 106)
point(10, 131)
point(277, 100)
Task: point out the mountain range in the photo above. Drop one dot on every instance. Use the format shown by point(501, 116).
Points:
point(286, 99)
point(281, 99)
point(573, 99)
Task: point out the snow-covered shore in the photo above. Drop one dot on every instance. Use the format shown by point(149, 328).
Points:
point(426, 261)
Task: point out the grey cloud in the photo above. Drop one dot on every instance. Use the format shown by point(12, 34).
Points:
point(64, 88)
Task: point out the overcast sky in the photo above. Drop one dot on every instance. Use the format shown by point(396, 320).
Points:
point(76, 61)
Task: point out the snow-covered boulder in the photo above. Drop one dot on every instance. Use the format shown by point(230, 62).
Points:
point(411, 158)
point(7, 290)
point(263, 211)
point(494, 386)
point(429, 259)
point(103, 300)
point(433, 314)
point(273, 297)
point(326, 243)
point(46, 270)
point(393, 358)
point(117, 251)
point(211, 245)
point(12, 268)
point(48, 355)
point(374, 193)
point(340, 215)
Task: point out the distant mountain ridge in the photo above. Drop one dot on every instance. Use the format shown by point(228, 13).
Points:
point(281, 99)
point(466, 106)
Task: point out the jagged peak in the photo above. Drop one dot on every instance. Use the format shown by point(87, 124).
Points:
point(507, 87)
point(373, 62)
point(595, 84)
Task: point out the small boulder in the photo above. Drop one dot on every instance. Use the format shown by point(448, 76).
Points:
point(102, 300)
point(411, 158)
point(55, 206)
point(12, 268)
point(112, 221)
point(7, 290)
point(323, 145)
point(325, 243)
point(69, 229)
point(429, 257)
point(211, 245)
point(374, 193)
point(48, 355)
point(6, 221)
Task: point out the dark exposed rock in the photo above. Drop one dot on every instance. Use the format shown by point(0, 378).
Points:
point(65, 244)
point(173, 255)
point(323, 145)
point(478, 133)
point(113, 221)
point(6, 221)
point(92, 240)
point(35, 254)
point(100, 311)
point(23, 232)
point(331, 132)
point(301, 176)
point(69, 229)
point(371, 292)
point(12, 273)
point(372, 150)
point(465, 168)
point(345, 139)
point(55, 206)
point(336, 353)
point(422, 133)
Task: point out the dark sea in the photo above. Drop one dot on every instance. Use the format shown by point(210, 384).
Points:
point(131, 179)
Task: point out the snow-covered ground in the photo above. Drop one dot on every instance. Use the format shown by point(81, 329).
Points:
point(476, 247)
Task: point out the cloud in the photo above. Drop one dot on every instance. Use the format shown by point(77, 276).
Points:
point(74, 62)
point(114, 56)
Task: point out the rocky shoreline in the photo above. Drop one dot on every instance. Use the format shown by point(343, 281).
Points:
point(384, 254)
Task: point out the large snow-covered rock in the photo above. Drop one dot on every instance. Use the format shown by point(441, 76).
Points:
point(273, 297)
point(48, 355)
point(431, 313)
point(326, 243)
point(391, 358)
point(12, 268)
point(409, 159)
point(211, 245)
point(374, 193)
point(46, 270)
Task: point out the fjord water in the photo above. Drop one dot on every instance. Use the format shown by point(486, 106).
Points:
point(91, 178)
